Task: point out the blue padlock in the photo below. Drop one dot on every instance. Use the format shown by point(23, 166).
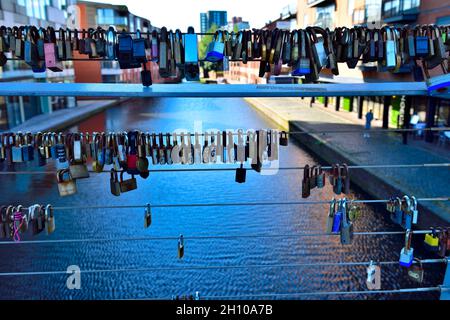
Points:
point(337, 220)
point(407, 253)
point(216, 48)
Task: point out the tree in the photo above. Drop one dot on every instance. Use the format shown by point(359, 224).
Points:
point(203, 47)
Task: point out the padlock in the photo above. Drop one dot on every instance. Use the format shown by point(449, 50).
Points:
point(19, 43)
point(407, 216)
point(4, 46)
point(78, 170)
point(16, 149)
point(168, 149)
point(164, 70)
point(306, 186)
point(66, 185)
point(28, 150)
point(100, 42)
point(330, 217)
point(192, 71)
point(345, 176)
point(30, 49)
point(354, 211)
point(132, 153)
point(373, 281)
point(110, 45)
point(284, 141)
point(318, 47)
point(42, 37)
point(61, 157)
point(181, 247)
point(127, 185)
point(215, 50)
point(390, 49)
point(337, 218)
point(49, 219)
point(346, 231)
point(179, 48)
point(241, 174)
point(154, 46)
point(148, 216)
point(320, 177)
point(146, 76)
point(337, 186)
point(114, 183)
point(139, 54)
point(407, 252)
point(422, 43)
point(61, 44)
point(212, 149)
point(438, 46)
point(175, 152)
point(416, 271)
point(444, 242)
point(3, 222)
point(68, 44)
point(431, 241)
point(303, 65)
point(397, 215)
point(313, 177)
point(89, 43)
point(125, 52)
point(50, 51)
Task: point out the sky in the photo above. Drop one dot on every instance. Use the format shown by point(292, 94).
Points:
point(180, 14)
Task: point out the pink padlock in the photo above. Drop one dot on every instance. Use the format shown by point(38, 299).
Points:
point(50, 52)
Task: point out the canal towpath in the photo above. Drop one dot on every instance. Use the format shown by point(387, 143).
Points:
point(382, 148)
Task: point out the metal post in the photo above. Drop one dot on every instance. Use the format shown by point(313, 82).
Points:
point(386, 105)
point(431, 110)
point(407, 118)
point(338, 103)
point(351, 104)
point(360, 107)
point(326, 102)
point(445, 288)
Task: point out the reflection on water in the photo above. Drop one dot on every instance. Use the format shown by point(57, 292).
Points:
point(196, 187)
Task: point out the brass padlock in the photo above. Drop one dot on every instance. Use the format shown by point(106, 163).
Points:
point(127, 185)
point(66, 184)
point(49, 219)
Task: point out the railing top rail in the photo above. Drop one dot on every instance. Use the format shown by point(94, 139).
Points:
point(214, 91)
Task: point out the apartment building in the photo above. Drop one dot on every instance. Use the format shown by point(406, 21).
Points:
point(333, 13)
point(16, 110)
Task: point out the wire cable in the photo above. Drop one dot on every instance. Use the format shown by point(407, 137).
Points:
point(234, 204)
point(221, 267)
point(381, 166)
point(327, 293)
point(209, 237)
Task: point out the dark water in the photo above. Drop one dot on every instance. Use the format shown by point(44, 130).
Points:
point(196, 187)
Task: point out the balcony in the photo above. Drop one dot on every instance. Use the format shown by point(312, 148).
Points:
point(316, 3)
point(400, 11)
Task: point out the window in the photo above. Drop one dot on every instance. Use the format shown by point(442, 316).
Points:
point(351, 7)
point(21, 2)
point(105, 16)
point(324, 16)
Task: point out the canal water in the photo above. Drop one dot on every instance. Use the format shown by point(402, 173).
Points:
point(163, 275)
